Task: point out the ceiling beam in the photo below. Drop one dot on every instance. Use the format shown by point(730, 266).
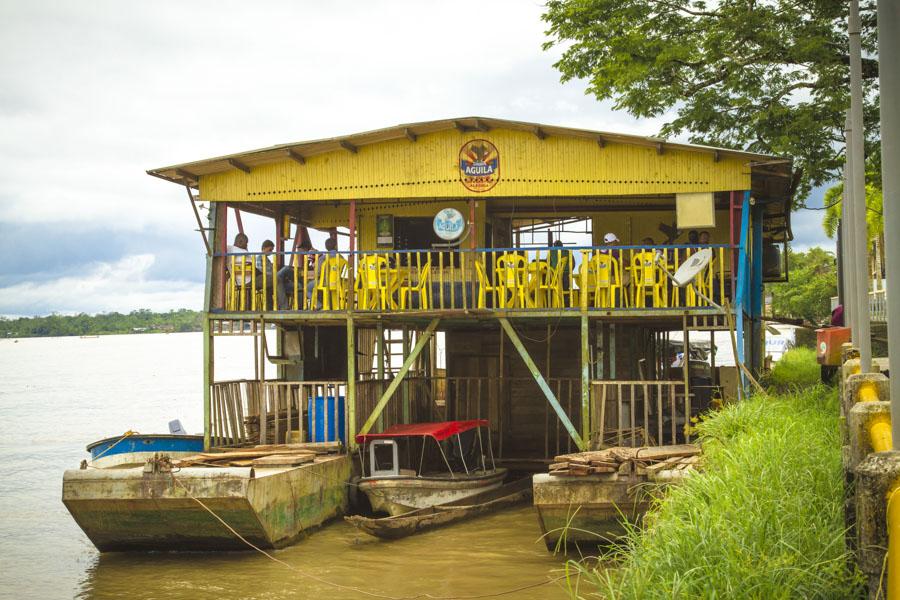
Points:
point(348, 146)
point(540, 133)
point(460, 126)
point(481, 125)
point(296, 156)
point(187, 175)
point(716, 156)
point(660, 148)
point(410, 135)
point(601, 141)
point(239, 165)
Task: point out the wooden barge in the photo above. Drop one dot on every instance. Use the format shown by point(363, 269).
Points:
point(479, 268)
point(156, 507)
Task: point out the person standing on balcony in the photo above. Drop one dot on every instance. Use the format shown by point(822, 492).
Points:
point(703, 238)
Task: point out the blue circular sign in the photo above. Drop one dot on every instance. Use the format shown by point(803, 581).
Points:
point(449, 224)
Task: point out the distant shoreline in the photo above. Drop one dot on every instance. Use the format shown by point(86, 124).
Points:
point(135, 322)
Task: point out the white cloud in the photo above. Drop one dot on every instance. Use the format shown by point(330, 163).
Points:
point(92, 94)
point(120, 286)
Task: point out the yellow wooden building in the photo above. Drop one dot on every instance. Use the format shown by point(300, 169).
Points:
point(454, 292)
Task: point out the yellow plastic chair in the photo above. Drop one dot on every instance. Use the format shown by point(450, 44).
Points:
point(332, 285)
point(484, 285)
point(373, 282)
point(704, 283)
point(648, 278)
point(512, 274)
point(538, 283)
point(556, 283)
point(422, 288)
point(599, 276)
point(240, 294)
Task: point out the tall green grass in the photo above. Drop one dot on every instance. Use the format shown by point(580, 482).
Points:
point(762, 520)
point(797, 369)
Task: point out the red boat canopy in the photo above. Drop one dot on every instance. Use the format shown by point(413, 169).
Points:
point(439, 431)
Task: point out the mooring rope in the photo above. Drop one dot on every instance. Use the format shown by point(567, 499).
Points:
point(128, 433)
point(348, 587)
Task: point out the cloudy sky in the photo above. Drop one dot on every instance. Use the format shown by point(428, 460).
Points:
point(94, 93)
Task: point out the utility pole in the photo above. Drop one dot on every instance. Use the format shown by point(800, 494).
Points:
point(858, 183)
point(889, 79)
point(849, 299)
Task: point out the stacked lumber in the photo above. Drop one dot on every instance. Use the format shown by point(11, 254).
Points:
point(624, 460)
point(268, 455)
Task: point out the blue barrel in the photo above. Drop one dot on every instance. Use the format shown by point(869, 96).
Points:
point(316, 418)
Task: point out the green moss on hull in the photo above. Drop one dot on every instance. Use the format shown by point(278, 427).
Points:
point(137, 511)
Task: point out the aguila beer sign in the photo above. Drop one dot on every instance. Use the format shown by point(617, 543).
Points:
point(479, 165)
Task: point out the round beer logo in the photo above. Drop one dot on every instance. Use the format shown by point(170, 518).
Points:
point(479, 165)
point(449, 224)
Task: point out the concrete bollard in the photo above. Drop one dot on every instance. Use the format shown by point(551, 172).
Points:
point(876, 477)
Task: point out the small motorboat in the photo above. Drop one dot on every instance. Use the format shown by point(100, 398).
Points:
point(421, 465)
point(392, 528)
point(136, 448)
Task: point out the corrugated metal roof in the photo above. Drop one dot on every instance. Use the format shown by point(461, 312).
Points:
point(188, 173)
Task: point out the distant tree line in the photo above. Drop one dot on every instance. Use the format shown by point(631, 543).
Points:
point(137, 321)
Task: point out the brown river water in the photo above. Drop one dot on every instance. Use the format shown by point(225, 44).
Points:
point(59, 394)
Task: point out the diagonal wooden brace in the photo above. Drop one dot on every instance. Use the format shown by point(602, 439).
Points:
point(395, 383)
point(542, 383)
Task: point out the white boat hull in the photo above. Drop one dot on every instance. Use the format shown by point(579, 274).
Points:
point(399, 495)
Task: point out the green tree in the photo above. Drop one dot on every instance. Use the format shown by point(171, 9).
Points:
point(808, 293)
point(767, 75)
point(874, 204)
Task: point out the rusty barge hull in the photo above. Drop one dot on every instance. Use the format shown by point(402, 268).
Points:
point(129, 509)
point(590, 509)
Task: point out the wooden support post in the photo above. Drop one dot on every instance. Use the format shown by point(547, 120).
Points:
point(215, 285)
point(585, 379)
point(237, 219)
point(351, 385)
point(263, 396)
point(395, 383)
point(379, 344)
point(208, 376)
point(473, 231)
point(405, 391)
point(279, 241)
point(351, 218)
point(542, 383)
point(501, 404)
point(199, 221)
point(686, 372)
point(611, 351)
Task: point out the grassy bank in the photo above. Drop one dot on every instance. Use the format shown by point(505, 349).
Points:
point(764, 518)
point(797, 369)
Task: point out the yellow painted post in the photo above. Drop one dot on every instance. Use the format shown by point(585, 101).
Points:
point(351, 384)
point(893, 556)
point(395, 383)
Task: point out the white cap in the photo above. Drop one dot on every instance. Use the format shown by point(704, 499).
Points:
point(609, 238)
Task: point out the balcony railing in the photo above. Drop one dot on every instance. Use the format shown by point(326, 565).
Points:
point(877, 305)
point(527, 279)
point(248, 411)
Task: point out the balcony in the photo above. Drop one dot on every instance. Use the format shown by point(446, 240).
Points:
point(536, 281)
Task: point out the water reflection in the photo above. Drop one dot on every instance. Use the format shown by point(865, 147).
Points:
point(487, 555)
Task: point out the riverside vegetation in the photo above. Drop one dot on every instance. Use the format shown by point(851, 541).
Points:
point(137, 321)
point(762, 520)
